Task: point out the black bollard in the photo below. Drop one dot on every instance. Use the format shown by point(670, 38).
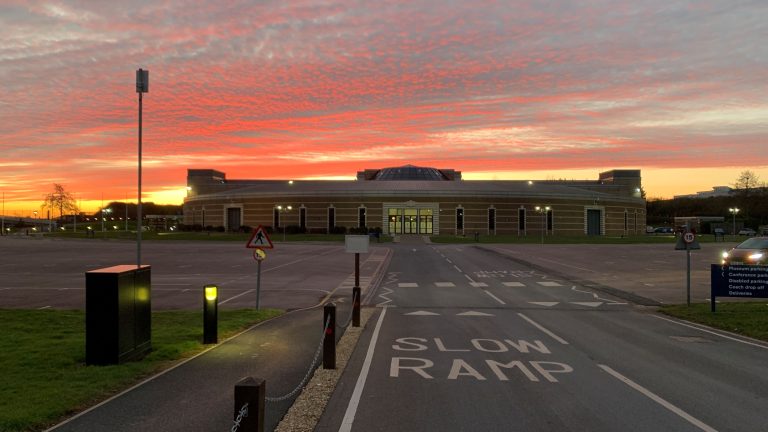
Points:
point(329, 341)
point(210, 314)
point(250, 394)
point(356, 306)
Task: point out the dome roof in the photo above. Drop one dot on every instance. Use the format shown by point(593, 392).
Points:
point(410, 172)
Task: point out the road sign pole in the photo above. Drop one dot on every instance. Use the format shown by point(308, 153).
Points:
point(688, 277)
point(258, 283)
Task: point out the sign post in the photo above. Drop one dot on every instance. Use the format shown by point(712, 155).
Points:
point(356, 244)
point(258, 242)
point(738, 280)
point(687, 242)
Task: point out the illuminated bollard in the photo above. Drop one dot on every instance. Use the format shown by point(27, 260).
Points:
point(329, 341)
point(210, 314)
point(356, 306)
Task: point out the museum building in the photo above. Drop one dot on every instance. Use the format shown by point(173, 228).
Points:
point(421, 200)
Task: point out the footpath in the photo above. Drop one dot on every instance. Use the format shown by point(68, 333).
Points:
point(198, 394)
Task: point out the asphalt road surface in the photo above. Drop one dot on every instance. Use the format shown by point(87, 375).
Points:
point(50, 273)
point(467, 339)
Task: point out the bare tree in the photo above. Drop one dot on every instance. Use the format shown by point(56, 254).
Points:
point(747, 181)
point(60, 199)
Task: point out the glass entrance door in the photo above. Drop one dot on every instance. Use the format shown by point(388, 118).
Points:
point(425, 221)
point(409, 222)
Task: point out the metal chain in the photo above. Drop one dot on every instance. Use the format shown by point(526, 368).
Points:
point(349, 319)
point(243, 413)
point(309, 371)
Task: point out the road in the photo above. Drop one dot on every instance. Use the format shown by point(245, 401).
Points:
point(468, 339)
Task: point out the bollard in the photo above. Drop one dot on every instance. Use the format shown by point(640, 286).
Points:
point(356, 306)
point(329, 341)
point(210, 314)
point(250, 393)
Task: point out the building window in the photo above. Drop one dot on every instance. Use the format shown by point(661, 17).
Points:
point(303, 218)
point(626, 221)
point(491, 220)
point(276, 218)
point(331, 218)
point(521, 220)
point(550, 221)
point(459, 219)
point(361, 217)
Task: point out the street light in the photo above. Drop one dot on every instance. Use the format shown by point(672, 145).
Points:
point(543, 211)
point(733, 211)
point(280, 211)
point(103, 218)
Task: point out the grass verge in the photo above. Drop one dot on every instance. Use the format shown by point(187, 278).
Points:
point(746, 318)
point(42, 356)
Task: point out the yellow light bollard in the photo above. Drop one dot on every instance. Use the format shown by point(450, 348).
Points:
point(210, 314)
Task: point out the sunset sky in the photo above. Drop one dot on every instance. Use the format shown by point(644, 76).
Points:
point(534, 89)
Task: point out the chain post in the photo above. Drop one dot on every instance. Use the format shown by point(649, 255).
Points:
point(329, 341)
point(250, 392)
point(356, 306)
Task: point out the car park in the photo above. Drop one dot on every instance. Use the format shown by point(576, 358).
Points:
point(752, 251)
point(747, 232)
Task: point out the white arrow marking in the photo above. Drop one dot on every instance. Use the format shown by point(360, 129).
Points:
point(473, 313)
point(422, 313)
point(547, 304)
point(590, 304)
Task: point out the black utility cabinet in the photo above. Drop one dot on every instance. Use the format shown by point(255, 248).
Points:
point(118, 314)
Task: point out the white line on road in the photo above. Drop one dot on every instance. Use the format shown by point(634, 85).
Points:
point(712, 332)
point(540, 327)
point(232, 298)
point(449, 261)
point(470, 279)
point(349, 416)
point(458, 269)
point(494, 297)
point(44, 307)
point(649, 394)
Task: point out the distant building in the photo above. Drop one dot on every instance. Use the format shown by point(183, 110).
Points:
point(421, 200)
point(716, 191)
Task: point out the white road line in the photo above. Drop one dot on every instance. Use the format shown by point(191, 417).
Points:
point(445, 284)
point(44, 307)
point(458, 269)
point(549, 284)
point(449, 261)
point(232, 298)
point(658, 399)
point(407, 285)
point(513, 284)
point(354, 401)
point(470, 279)
point(478, 284)
point(712, 332)
point(494, 297)
point(540, 327)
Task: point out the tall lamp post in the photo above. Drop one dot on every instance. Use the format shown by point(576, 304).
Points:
point(142, 86)
point(733, 211)
point(543, 211)
point(281, 210)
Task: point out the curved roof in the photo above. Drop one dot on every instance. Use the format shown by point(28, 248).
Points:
point(410, 172)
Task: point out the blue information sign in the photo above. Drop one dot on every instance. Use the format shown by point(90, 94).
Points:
point(739, 281)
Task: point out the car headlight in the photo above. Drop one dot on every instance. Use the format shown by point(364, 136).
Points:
point(756, 256)
point(725, 255)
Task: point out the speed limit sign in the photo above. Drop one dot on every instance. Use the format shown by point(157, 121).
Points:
point(688, 237)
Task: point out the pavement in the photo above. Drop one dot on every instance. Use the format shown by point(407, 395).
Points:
point(198, 394)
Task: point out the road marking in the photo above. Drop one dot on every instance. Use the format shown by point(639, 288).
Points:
point(467, 276)
point(712, 332)
point(422, 313)
point(658, 399)
point(549, 284)
point(384, 296)
point(444, 284)
point(513, 284)
point(473, 313)
point(232, 298)
point(407, 285)
point(44, 307)
point(478, 284)
point(590, 304)
point(458, 269)
point(547, 304)
point(354, 401)
point(540, 327)
point(615, 303)
point(449, 261)
point(494, 297)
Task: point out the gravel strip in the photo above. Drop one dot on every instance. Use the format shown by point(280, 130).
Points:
point(309, 406)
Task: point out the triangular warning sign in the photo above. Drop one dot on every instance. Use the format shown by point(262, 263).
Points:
point(259, 239)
